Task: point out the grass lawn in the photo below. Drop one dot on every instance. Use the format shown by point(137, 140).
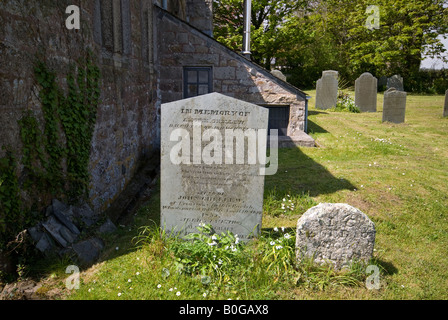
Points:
point(396, 174)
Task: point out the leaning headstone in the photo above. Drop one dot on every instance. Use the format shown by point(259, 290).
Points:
point(200, 181)
point(366, 92)
point(445, 109)
point(335, 233)
point(327, 90)
point(394, 106)
point(396, 81)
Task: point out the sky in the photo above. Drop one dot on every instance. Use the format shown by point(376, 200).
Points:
point(429, 63)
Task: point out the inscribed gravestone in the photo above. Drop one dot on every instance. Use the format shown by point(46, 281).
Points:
point(396, 81)
point(204, 177)
point(327, 90)
point(366, 92)
point(445, 109)
point(394, 106)
point(335, 233)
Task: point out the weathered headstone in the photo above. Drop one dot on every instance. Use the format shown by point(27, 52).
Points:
point(396, 81)
point(445, 109)
point(279, 74)
point(394, 106)
point(327, 90)
point(204, 176)
point(366, 92)
point(335, 233)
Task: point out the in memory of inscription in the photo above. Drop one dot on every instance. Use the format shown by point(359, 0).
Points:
point(213, 162)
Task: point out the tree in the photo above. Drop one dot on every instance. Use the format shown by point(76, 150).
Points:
point(267, 16)
point(306, 37)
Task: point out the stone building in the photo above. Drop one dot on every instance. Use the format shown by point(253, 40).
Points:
point(149, 52)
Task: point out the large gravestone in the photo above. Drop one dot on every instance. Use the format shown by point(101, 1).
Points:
point(396, 81)
point(394, 106)
point(366, 92)
point(335, 233)
point(205, 177)
point(445, 108)
point(327, 90)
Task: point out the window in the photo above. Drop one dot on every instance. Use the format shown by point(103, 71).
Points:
point(197, 81)
point(279, 119)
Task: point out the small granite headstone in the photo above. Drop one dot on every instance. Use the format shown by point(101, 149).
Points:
point(445, 109)
point(202, 182)
point(396, 81)
point(327, 90)
point(279, 74)
point(394, 106)
point(366, 92)
point(335, 233)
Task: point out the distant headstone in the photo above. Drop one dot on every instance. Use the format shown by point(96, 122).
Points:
point(366, 92)
point(204, 176)
point(335, 233)
point(279, 74)
point(394, 106)
point(445, 109)
point(396, 81)
point(327, 90)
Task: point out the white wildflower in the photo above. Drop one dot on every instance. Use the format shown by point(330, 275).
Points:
point(272, 243)
point(276, 229)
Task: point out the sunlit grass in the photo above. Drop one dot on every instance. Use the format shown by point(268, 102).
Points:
point(396, 174)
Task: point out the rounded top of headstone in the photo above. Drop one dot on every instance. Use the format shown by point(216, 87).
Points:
point(330, 73)
point(278, 74)
point(335, 233)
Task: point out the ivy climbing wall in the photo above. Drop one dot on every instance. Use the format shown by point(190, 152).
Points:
point(78, 108)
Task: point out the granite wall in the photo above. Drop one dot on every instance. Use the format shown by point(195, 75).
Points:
point(119, 34)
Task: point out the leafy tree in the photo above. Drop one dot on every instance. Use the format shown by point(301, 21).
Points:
point(267, 17)
point(306, 37)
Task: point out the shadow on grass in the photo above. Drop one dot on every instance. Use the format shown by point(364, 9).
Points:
point(299, 174)
point(315, 128)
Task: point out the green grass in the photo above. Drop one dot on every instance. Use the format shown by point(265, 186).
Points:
point(395, 173)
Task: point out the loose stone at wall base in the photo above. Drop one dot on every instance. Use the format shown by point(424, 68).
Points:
point(335, 233)
point(224, 193)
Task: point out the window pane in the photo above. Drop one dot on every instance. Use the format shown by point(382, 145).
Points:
point(192, 76)
point(192, 90)
point(203, 76)
point(203, 89)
